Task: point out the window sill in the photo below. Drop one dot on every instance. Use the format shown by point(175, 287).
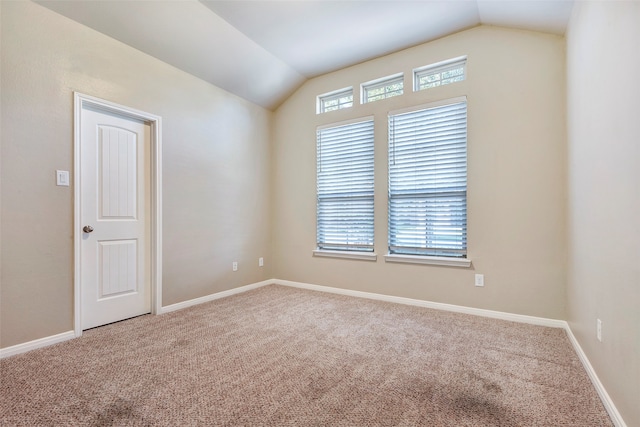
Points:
point(431, 260)
point(363, 256)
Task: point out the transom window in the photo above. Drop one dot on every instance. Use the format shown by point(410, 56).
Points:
point(383, 88)
point(439, 74)
point(335, 100)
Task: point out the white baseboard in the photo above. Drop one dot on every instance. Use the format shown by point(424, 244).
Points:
point(211, 297)
point(604, 396)
point(32, 345)
point(541, 321)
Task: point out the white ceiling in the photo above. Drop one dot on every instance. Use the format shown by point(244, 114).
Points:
point(262, 50)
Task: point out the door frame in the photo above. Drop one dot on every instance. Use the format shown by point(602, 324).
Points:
point(81, 101)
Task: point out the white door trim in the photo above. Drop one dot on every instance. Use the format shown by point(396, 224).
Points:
point(80, 101)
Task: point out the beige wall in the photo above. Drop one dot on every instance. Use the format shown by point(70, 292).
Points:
point(516, 175)
point(216, 168)
point(603, 66)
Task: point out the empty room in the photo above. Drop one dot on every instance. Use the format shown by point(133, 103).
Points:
point(317, 212)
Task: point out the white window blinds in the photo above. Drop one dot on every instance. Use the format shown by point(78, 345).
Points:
point(428, 180)
point(345, 186)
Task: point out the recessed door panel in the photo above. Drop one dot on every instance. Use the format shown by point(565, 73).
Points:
point(117, 151)
point(118, 264)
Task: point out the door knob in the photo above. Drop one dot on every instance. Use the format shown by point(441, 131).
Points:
point(87, 229)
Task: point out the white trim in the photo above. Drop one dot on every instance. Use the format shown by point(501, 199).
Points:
point(616, 418)
point(362, 256)
point(520, 318)
point(434, 104)
point(432, 260)
point(39, 343)
point(439, 64)
point(380, 80)
point(211, 297)
point(156, 216)
point(80, 101)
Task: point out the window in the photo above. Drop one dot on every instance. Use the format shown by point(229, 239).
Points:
point(383, 88)
point(335, 100)
point(439, 74)
point(428, 180)
point(345, 186)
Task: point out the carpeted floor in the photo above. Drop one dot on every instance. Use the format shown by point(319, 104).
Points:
point(280, 356)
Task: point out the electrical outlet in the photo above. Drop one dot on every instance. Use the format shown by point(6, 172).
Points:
point(235, 265)
point(599, 329)
point(479, 279)
point(260, 262)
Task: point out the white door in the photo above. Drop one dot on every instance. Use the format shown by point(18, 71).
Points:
point(114, 212)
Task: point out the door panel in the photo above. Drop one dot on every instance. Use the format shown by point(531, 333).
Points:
point(117, 186)
point(118, 264)
point(115, 202)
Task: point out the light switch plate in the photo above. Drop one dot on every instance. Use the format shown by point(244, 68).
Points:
point(62, 178)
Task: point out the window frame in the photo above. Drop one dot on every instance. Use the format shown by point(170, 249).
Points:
point(335, 249)
point(426, 258)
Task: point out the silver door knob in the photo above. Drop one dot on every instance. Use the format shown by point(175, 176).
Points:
point(87, 229)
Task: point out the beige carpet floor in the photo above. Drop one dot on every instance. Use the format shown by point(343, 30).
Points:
point(280, 356)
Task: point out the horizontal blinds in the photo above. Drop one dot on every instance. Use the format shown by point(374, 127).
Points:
point(428, 181)
point(345, 187)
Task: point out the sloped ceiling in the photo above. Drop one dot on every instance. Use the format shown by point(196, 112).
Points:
point(263, 50)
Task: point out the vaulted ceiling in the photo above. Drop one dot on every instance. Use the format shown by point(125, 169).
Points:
point(263, 50)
